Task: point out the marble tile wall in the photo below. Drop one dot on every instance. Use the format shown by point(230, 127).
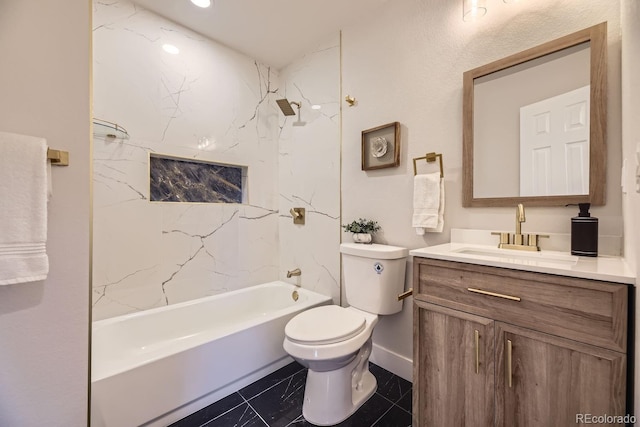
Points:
point(309, 170)
point(209, 103)
point(206, 103)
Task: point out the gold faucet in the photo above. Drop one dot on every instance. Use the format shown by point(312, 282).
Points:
point(520, 218)
point(519, 241)
point(296, 272)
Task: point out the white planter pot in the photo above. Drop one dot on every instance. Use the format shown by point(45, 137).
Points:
point(361, 237)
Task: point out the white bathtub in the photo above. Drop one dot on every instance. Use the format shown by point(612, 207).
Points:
point(156, 366)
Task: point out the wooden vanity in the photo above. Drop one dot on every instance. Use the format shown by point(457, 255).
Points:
point(497, 346)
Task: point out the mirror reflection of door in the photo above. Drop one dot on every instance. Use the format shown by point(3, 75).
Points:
point(554, 145)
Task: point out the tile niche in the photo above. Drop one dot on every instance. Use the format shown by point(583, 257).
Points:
point(180, 180)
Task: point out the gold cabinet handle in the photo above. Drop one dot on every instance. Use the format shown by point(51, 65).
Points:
point(493, 294)
point(509, 375)
point(477, 340)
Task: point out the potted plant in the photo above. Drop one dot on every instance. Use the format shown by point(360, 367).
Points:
point(362, 229)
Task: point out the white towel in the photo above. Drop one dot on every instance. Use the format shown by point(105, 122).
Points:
point(428, 203)
point(23, 210)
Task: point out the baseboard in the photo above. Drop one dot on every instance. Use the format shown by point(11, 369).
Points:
point(393, 362)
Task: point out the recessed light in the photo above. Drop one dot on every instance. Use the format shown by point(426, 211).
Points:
point(316, 107)
point(201, 3)
point(169, 48)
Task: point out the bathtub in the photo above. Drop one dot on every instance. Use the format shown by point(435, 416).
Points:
point(157, 366)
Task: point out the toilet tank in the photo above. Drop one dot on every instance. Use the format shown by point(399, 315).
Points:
point(374, 276)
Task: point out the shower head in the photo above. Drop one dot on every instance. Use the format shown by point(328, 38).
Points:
point(285, 106)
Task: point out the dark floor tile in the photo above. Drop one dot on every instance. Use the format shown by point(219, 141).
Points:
point(396, 417)
point(406, 401)
point(242, 415)
point(270, 380)
point(276, 400)
point(282, 403)
point(389, 385)
point(210, 412)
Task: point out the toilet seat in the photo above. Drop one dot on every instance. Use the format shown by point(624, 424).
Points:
point(323, 325)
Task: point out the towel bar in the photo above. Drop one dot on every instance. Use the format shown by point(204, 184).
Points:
point(58, 157)
point(429, 157)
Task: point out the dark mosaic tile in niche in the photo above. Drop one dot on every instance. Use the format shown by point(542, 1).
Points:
point(175, 180)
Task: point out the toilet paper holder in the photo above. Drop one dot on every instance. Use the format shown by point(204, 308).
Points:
point(405, 294)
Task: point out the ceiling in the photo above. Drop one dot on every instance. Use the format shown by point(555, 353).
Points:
point(273, 31)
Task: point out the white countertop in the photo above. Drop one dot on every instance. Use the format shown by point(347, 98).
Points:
point(606, 268)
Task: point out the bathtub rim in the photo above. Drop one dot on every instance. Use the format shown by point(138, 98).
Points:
point(315, 300)
point(275, 283)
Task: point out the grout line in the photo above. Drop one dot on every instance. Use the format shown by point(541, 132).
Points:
point(245, 400)
point(227, 411)
point(270, 387)
point(390, 408)
point(400, 407)
point(382, 416)
point(299, 417)
point(387, 399)
point(258, 414)
point(290, 377)
point(396, 403)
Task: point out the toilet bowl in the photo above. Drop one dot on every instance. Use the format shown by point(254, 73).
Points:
point(335, 343)
point(337, 356)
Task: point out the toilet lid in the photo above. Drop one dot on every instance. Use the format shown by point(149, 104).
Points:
point(324, 325)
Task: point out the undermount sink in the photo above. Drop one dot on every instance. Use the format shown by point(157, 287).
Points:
point(480, 247)
point(519, 256)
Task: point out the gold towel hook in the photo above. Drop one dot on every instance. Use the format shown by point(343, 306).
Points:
point(429, 157)
point(58, 157)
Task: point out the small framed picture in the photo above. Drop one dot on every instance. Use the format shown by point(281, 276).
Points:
point(381, 147)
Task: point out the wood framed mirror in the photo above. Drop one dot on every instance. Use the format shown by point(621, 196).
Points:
point(534, 127)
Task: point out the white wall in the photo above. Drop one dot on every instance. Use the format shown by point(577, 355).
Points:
point(630, 12)
point(406, 65)
point(44, 326)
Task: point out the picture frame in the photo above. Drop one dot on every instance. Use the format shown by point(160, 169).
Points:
point(381, 147)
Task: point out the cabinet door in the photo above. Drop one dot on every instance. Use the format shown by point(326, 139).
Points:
point(544, 380)
point(453, 368)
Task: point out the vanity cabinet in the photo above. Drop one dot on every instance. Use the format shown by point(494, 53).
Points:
point(454, 373)
point(548, 380)
point(495, 346)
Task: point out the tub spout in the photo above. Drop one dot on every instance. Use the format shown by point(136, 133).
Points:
point(295, 272)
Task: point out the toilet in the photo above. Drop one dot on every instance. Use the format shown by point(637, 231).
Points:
point(334, 342)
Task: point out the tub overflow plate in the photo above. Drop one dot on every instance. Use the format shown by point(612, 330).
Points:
point(378, 267)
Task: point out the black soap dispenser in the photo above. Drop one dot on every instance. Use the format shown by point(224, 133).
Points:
point(584, 232)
